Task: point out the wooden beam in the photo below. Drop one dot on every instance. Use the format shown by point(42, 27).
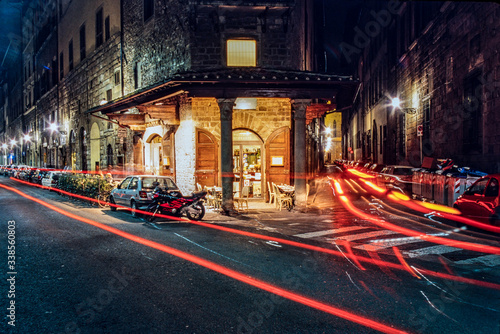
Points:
point(128, 119)
point(166, 113)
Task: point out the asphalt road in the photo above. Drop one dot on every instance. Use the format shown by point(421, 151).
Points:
point(73, 277)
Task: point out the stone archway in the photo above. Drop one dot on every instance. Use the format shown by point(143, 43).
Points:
point(83, 149)
point(95, 147)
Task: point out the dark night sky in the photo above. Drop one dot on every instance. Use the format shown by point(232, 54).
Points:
point(10, 31)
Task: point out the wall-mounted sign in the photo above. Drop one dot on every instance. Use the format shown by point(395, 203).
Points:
point(420, 130)
point(277, 161)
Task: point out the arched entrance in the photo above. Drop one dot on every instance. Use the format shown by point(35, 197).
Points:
point(109, 154)
point(206, 173)
point(247, 161)
point(72, 152)
point(83, 149)
point(95, 147)
point(154, 160)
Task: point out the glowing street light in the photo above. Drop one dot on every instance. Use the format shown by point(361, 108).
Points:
point(27, 137)
point(396, 104)
point(53, 127)
point(13, 142)
point(4, 146)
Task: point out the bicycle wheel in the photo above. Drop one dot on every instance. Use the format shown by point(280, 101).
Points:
point(103, 201)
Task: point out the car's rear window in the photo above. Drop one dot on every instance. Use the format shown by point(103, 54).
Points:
point(165, 183)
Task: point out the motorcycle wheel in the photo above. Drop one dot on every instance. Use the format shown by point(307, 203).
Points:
point(198, 215)
point(150, 218)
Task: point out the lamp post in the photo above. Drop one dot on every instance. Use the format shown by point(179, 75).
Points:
point(396, 104)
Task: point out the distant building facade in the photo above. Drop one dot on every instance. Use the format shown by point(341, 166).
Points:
point(441, 60)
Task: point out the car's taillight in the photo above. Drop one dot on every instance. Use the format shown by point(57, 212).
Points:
point(143, 194)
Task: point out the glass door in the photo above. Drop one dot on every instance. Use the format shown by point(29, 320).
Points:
point(247, 162)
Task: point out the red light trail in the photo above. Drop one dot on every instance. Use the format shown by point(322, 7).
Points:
point(375, 260)
point(223, 270)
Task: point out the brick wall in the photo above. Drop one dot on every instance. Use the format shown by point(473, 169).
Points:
point(463, 41)
point(161, 44)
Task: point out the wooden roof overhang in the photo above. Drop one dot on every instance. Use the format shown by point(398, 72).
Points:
point(151, 103)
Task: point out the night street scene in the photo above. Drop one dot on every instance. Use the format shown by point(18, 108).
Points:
point(233, 166)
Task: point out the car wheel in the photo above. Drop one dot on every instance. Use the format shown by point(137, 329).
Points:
point(134, 213)
point(112, 204)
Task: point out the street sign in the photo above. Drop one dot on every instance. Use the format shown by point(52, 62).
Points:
point(420, 130)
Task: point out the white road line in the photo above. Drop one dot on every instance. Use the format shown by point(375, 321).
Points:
point(486, 260)
point(352, 237)
point(326, 232)
point(430, 250)
point(381, 244)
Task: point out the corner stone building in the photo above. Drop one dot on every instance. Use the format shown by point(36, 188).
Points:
point(222, 94)
point(212, 93)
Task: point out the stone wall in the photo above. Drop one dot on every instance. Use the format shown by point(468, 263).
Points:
point(461, 42)
point(270, 114)
point(160, 45)
point(274, 35)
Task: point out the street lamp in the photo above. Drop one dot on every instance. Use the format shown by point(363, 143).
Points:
point(53, 127)
point(396, 104)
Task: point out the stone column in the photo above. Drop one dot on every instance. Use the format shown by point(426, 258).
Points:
point(299, 116)
point(226, 152)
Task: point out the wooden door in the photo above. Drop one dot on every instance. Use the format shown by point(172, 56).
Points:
point(168, 150)
point(207, 162)
point(278, 158)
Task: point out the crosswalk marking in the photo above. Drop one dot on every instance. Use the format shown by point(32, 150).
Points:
point(486, 260)
point(366, 235)
point(381, 244)
point(430, 250)
point(326, 232)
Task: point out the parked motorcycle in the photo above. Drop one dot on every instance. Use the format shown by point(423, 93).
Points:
point(172, 203)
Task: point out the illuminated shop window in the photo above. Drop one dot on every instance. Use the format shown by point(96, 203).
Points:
point(241, 52)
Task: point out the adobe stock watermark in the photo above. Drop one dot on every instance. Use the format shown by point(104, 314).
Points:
point(88, 310)
point(11, 273)
point(264, 308)
point(372, 29)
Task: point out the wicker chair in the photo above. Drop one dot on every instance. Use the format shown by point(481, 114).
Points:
point(242, 198)
point(282, 199)
point(272, 193)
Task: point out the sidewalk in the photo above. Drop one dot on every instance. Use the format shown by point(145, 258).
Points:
point(319, 202)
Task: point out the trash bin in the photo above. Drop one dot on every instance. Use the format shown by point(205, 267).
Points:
point(440, 188)
point(428, 186)
point(416, 186)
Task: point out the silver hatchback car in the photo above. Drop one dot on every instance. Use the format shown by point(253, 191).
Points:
point(136, 191)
